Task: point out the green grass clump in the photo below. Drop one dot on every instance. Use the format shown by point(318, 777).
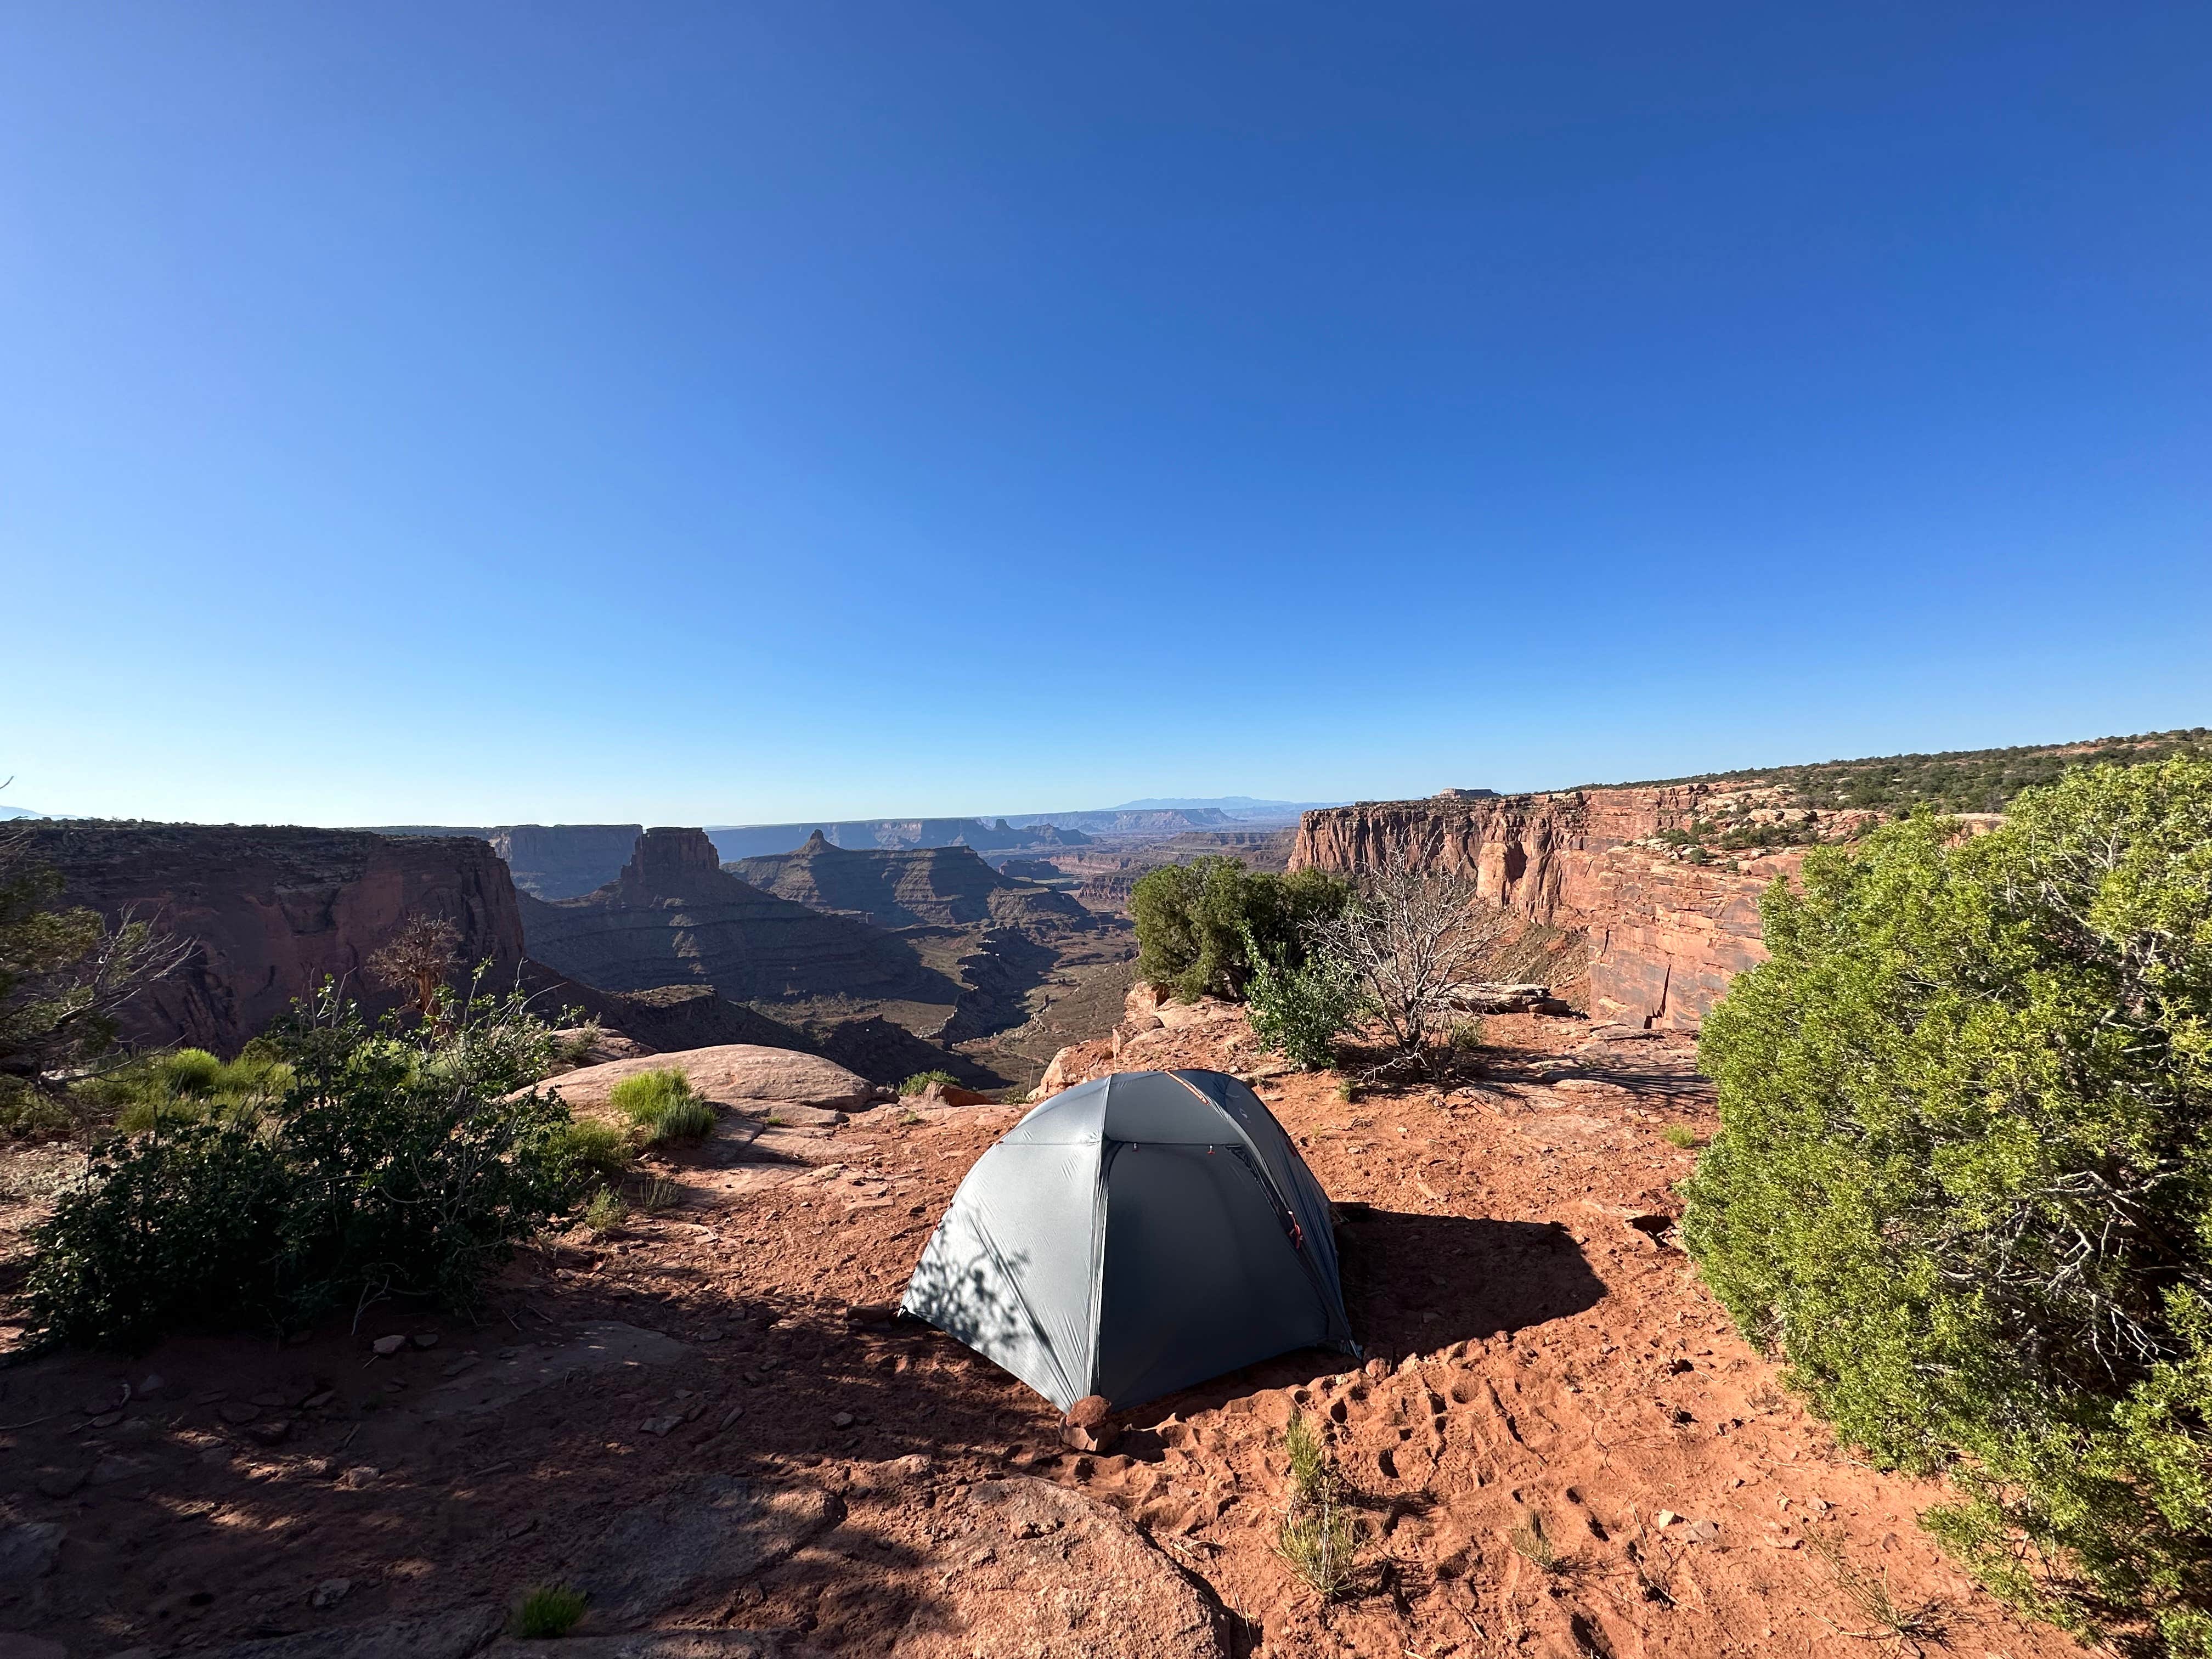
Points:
point(662, 1104)
point(922, 1080)
point(547, 1610)
point(1466, 1036)
point(606, 1212)
point(1682, 1135)
point(1315, 1538)
point(187, 1085)
point(598, 1149)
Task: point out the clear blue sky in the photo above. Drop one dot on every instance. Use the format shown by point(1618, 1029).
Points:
point(712, 413)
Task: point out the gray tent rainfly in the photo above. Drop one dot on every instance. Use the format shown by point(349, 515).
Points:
point(1137, 1234)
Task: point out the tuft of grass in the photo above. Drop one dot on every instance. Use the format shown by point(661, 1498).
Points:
point(1531, 1547)
point(1310, 1472)
point(1917, 1622)
point(190, 1073)
point(1467, 1035)
point(662, 1104)
point(600, 1149)
point(1318, 1544)
point(606, 1212)
point(1315, 1540)
point(1346, 1089)
point(1682, 1135)
point(657, 1195)
point(187, 1085)
point(912, 1118)
point(547, 1610)
point(921, 1080)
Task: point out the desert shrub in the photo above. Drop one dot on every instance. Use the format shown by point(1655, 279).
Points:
point(922, 1080)
point(662, 1104)
point(1413, 941)
point(1199, 923)
point(595, 1148)
point(547, 1610)
point(389, 1163)
point(1964, 1181)
point(1300, 1012)
point(1466, 1036)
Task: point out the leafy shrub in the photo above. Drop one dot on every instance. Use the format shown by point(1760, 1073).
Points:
point(547, 1612)
point(1301, 1012)
point(922, 1080)
point(1964, 1181)
point(389, 1164)
point(1194, 921)
point(662, 1104)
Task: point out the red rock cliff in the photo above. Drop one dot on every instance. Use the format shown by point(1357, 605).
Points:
point(275, 911)
point(1666, 937)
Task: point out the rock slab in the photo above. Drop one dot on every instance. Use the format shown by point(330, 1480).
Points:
point(700, 1540)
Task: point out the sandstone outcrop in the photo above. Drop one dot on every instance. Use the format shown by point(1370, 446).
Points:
point(674, 916)
point(275, 911)
point(1665, 936)
point(937, 886)
point(735, 1074)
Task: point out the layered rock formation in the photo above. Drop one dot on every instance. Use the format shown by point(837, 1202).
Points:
point(674, 916)
point(276, 911)
point(760, 840)
point(1665, 936)
point(937, 886)
point(565, 860)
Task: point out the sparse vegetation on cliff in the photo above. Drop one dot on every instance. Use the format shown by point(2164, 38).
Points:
point(1964, 1181)
point(1963, 781)
point(392, 1161)
point(1199, 925)
point(64, 976)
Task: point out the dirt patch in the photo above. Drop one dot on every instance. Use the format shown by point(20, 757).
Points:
point(1555, 1445)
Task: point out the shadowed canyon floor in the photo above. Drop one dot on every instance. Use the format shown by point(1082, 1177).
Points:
point(710, 1423)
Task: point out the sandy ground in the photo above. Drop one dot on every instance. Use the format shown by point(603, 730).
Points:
point(1541, 1361)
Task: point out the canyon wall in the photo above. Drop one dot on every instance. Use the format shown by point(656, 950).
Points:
point(927, 887)
point(674, 916)
point(1665, 936)
point(275, 911)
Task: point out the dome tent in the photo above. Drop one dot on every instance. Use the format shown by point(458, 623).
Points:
point(1132, 1236)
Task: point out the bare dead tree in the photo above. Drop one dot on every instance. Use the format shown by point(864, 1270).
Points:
point(1416, 942)
point(417, 960)
point(66, 973)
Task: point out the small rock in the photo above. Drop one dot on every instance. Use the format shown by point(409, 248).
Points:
point(316, 1400)
point(106, 1419)
point(154, 1384)
point(730, 1417)
point(660, 1425)
point(389, 1345)
point(60, 1483)
point(842, 1420)
point(238, 1410)
point(1086, 1427)
point(270, 1433)
point(269, 1400)
point(331, 1592)
point(1665, 1518)
point(1702, 1532)
point(426, 1338)
point(357, 1477)
point(28, 1550)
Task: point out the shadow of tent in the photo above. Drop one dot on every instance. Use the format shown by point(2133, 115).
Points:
point(1415, 1283)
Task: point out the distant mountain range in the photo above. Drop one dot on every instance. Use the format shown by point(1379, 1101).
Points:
point(19, 812)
